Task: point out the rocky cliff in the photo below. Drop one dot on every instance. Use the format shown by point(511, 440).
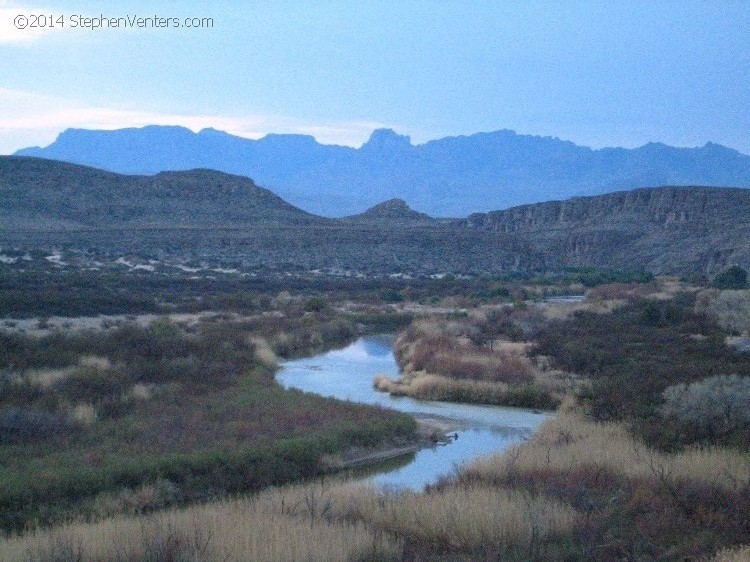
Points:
point(208, 215)
point(663, 230)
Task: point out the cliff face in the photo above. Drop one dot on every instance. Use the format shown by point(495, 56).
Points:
point(205, 214)
point(641, 208)
point(664, 230)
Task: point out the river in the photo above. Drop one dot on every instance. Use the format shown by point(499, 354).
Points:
point(348, 374)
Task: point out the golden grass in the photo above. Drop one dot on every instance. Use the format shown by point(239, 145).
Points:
point(316, 521)
point(570, 440)
point(282, 524)
point(471, 519)
point(263, 352)
point(435, 387)
point(737, 554)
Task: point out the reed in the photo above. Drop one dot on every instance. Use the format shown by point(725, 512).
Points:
point(276, 525)
point(470, 519)
point(737, 554)
point(572, 440)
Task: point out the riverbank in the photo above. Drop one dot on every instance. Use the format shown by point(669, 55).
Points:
point(431, 431)
point(347, 374)
point(478, 358)
point(619, 473)
point(140, 416)
point(577, 490)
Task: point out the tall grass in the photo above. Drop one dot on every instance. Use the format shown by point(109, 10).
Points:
point(738, 554)
point(266, 527)
point(463, 360)
point(435, 387)
point(572, 440)
point(474, 519)
point(312, 522)
point(600, 495)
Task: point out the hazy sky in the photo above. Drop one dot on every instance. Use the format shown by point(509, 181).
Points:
point(597, 73)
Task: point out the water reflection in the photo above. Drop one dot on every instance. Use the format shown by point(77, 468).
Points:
point(348, 374)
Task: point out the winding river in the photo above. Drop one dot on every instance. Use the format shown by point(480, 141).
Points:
point(348, 374)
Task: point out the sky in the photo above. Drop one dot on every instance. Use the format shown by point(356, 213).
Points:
point(598, 73)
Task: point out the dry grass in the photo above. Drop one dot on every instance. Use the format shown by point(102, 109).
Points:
point(46, 378)
point(95, 362)
point(738, 554)
point(435, 387)
point(444, 348)
point(471, 519)
point(263, 352)
point(425, 386)
point(563, 310)
point(465, 361)
point(282, 524)
point(477, 516)
point(571, 440)
point(84, 413)
point(517, 348)
point(142, 391)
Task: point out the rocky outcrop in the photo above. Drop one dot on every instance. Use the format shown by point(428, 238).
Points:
point(206, 214)
point(393, 209)
point(663, 230)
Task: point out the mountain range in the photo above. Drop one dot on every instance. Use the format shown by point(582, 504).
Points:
point(448, 177)
point(208, 216)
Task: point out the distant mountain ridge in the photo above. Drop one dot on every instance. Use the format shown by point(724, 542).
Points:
point(448, 177)
point(204, 215)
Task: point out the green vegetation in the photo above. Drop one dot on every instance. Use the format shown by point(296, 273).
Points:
point(733, 278)
point(190, 410)
point(634, 354)
point(647, 457)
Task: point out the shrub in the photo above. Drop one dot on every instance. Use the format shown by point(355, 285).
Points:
point(21, 424)
point(730, 309)
point(733, 278)
point(714, 407)
point(315, 304)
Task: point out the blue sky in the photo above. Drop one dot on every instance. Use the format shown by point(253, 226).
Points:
point(597, 73)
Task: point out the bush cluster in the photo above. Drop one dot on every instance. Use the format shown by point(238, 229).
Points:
point(712, 408)
point(633, 355)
